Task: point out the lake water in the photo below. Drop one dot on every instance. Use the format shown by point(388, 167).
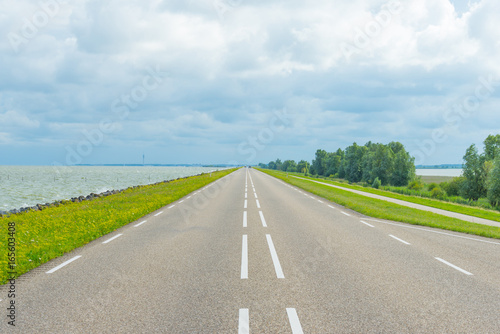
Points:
point(22, 186)
point(440, 172)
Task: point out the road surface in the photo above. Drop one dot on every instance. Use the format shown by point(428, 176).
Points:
point(251, 254)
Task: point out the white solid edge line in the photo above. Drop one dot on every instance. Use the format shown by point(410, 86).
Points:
point(274, 256)
point(244, 257)
point(262, 219)
point(438, 232)
point(159, 213)
point(400, 240)
point(258, 203)
point(113, 238)
point(140, 223)
point(63, 264)
point(453, 266)
point(294, 321)
point(345, 213)
point(245, 205)
point(245, 218)
point(244, 321)
point(366, 223)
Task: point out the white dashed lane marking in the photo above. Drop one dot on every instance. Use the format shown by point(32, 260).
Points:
point(63, 264)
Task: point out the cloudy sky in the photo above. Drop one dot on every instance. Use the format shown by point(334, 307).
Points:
point(218, 81)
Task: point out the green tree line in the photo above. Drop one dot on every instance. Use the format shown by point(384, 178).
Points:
point(481, 172)
point(391, 165)
point(376, 164)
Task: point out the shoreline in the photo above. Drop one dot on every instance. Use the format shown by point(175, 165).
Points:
point(82, 198)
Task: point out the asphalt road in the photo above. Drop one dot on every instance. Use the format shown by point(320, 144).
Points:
point(252, 254)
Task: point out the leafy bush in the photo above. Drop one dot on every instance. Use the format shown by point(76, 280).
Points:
point(453, 187)
point(432, 186)
point(437, 192)
point(377, 183)
point(416, 185)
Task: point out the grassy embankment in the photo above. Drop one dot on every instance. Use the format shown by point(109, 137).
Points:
point(47, 234)
point(385, 210)
point(435, 203)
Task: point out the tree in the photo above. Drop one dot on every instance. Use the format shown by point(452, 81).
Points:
point(383, 163)
point(494, 183)
point(474, 186)
point(491, 147)
point(396, 146)
point(278, 164)
point(289, 166)
point(303, 167)
point(404, 169)
point(271, 165)
point(453, 188)
point(319, 163)
point(334, 163)
point(352, 163)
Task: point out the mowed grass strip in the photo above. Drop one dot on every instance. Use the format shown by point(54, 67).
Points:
point(448, 206)
point(44, 235)
point(389, 211)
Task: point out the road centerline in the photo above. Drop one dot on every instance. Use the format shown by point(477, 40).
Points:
point(293, 318)
point(274, 256)
point(244, 321)
point(244, 257)
point(262, 219)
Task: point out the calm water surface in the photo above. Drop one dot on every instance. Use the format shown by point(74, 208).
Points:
point(440, 172)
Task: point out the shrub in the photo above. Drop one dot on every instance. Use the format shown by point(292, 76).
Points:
point(432, 186)
point(377, 183)
point(453, 187)
point(416, 185)
point(437, 192)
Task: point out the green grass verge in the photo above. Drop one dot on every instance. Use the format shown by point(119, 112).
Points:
point(47, 234)
point(448, 206)
point(386, 210)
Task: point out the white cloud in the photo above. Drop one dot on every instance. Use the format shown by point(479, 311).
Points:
point(228, 73)
point(14, 119)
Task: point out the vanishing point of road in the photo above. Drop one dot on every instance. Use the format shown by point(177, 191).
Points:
point(252, 254)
